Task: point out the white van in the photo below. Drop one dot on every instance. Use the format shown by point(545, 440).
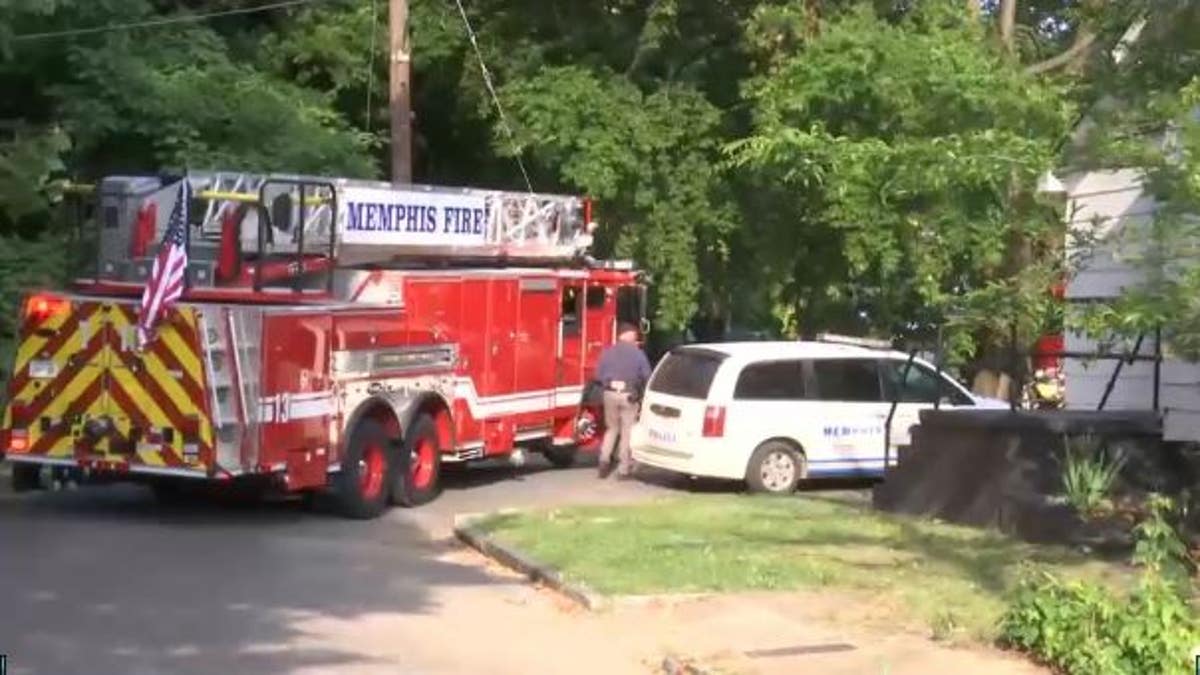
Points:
point(775, 413)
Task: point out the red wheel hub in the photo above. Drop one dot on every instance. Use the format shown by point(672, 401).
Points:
point(587, 428)
point(371, 470)
point(423, 459)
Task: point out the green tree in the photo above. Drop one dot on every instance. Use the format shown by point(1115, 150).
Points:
point(1146, 118)
point(906, 151)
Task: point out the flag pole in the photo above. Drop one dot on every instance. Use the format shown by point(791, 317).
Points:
point(186, 196)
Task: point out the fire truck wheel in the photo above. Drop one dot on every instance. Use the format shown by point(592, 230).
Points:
point(361, 487)
point(169, 492)
point(562, 456)
point(25, 477)
point(422, 481)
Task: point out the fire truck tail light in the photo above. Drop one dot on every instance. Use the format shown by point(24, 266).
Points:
point(40, 307)
point(18, 441)
point(714, 422)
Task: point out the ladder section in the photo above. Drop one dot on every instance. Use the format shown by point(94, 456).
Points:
point(231, 358)
point(249, 229)
point(376, 222)
point(380, 224)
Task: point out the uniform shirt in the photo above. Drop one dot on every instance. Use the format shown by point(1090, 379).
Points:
point(623, 362)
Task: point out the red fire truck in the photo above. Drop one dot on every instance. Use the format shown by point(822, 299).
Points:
point(334, 335)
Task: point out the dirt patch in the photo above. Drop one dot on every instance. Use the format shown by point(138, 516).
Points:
point(823, 632)
point(746, 633)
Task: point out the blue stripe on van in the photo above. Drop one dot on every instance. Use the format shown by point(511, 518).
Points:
point(827, 472)
point(874, 459)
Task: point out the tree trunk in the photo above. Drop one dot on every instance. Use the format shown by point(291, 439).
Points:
point(812, 19)
point(1008, 24)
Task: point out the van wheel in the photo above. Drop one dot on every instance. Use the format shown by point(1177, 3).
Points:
point(420, 479)
point(368, 468)
point(775, 468)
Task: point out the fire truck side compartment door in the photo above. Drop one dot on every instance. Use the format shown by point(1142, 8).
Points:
point(496, 377)
point(296, 391)
point(537, 336)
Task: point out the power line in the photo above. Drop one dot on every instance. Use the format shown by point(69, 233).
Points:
point(371, 60)
point(189, 18)
point(487, 80)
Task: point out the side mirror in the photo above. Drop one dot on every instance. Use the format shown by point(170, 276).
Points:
point(643, 322)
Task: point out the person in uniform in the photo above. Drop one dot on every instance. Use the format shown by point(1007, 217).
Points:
point(623, 372)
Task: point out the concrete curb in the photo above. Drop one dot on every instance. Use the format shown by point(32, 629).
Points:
point(466, 530)
point(673, 665)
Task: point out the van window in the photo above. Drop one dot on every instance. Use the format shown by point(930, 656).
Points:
point(921, 386)
point(686, 372)
point(855, 380)
point(771, 381)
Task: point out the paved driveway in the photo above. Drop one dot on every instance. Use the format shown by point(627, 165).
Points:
point(103, 580)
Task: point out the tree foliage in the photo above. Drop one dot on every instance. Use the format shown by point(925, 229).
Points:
point(1148, 118)
point(911, 149)
point(789, 165)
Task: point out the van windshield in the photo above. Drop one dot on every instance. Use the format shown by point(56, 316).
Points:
point(687, 373)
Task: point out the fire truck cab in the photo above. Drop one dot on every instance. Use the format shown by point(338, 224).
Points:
point(334, 335)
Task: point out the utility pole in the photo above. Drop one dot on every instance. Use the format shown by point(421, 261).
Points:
point(399, 96)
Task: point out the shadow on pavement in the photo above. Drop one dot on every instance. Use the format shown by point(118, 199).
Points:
point(104, 580)
point(682, 483)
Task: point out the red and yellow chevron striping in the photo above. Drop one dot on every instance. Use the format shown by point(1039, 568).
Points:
point(80, 364)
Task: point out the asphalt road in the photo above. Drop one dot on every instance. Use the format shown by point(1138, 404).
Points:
point(105, 580)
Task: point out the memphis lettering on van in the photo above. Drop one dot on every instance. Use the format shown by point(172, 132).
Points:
point(862, 430)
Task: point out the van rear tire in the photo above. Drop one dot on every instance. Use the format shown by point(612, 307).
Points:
point(776, 468)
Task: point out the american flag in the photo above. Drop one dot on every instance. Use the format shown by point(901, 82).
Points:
point(166, 278)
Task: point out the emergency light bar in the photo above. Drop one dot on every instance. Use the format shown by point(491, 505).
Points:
point(869, 343)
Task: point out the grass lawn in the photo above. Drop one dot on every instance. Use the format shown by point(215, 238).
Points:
point(953, 579)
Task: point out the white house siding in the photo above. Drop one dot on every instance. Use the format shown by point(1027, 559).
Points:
point(1105, 206)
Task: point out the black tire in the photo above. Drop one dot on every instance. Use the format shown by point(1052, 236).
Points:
point(25, 477)
point(562, 456)
point(368, 470)
point(420, 479)
point(169, 492)
point(766, 472)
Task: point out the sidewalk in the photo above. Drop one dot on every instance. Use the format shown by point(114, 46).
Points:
point(810, 632)
point(517, 629)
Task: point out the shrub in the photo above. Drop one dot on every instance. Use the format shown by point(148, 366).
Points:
point(1082, 627)
point(1089, 474)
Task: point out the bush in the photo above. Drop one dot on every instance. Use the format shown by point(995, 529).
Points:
point(1083, 627)
point(26, 264)
point(1089, 474)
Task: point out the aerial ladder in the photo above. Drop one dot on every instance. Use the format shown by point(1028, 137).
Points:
point(255, 231)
